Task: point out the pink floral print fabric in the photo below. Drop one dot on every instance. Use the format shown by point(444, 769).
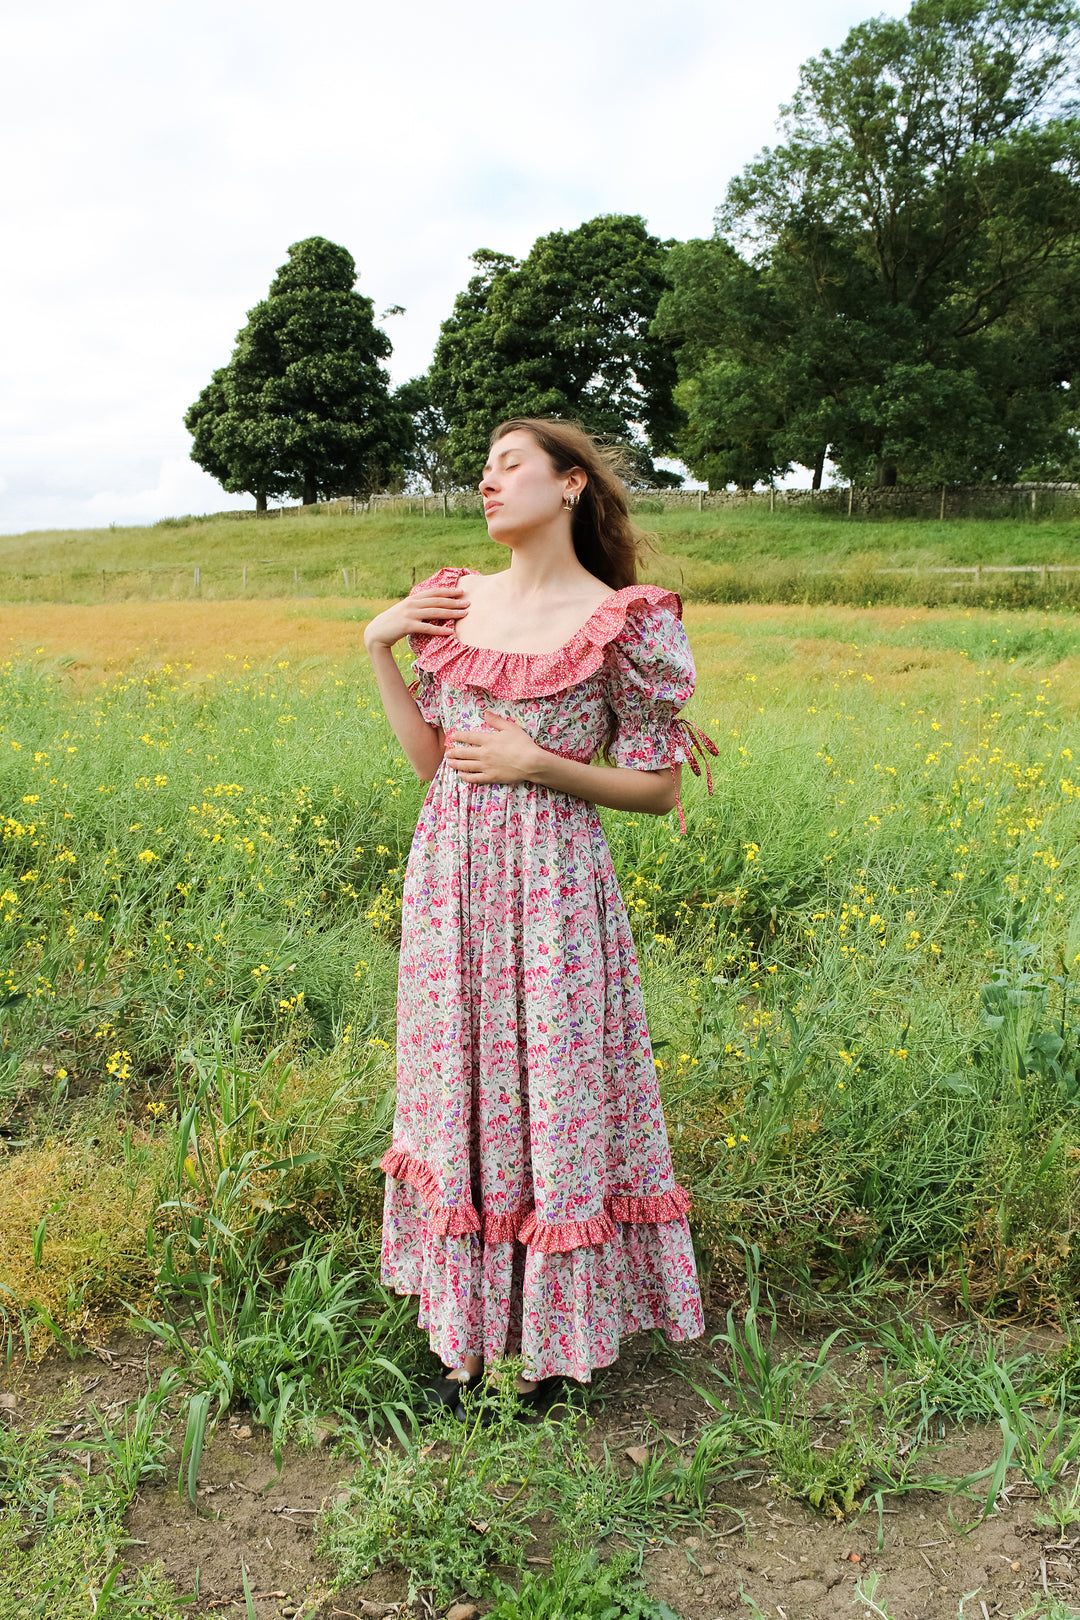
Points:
point(530, 1198)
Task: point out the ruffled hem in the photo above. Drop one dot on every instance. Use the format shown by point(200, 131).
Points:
point(505, 1228)
point(446, 1219)
point(523, 1225)
point(657, 1209)
point(533, 675)
point(559, 1237)
point(562, 1313)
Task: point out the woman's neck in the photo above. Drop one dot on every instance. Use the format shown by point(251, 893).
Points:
point(544, 563)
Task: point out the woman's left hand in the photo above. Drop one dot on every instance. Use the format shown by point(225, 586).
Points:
point(505, 753)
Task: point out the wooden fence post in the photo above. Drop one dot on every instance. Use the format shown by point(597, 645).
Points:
point(345, 576)
point(850, 493)
point(444, 504)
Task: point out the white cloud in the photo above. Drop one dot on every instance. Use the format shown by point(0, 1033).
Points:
point(161, 159)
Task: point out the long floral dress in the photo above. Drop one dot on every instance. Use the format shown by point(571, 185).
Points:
point(530, 1198)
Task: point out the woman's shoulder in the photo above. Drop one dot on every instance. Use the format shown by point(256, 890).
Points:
point(440, 580)
point(638, 613)
point(650, 647)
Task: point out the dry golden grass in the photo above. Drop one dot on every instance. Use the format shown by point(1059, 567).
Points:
point(754, 653)
point(93, 1254)
point(198, 637)
point(782, 651)
point(202, 638)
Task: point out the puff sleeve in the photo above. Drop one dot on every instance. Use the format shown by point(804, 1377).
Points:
point(425, 686)
point(651, 675)
point(425, 691)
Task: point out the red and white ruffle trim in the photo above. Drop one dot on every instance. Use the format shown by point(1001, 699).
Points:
point(532, 675)
point(522, 1225)
point(448, 1222)
point(550, 1237)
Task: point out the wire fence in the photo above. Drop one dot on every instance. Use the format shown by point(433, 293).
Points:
point(939, 501)
point(164, 582)
point(284, 578)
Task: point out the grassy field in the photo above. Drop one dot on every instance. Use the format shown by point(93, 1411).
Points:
point(752, 555)
point(859, 966)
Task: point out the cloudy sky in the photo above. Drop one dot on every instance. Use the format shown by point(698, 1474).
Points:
point(160, 158)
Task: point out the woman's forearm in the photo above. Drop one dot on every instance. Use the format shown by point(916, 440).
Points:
point(614, 787)
point(423, 744)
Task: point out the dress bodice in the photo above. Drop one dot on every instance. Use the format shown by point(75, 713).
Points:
point(619, 681)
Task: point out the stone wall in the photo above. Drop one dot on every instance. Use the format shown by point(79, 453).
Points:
point(905, 500)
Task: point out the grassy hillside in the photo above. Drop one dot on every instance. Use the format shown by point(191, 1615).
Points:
point(711, 557)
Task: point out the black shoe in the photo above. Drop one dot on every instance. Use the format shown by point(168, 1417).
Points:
point(485, 1409)
point(443, 1394)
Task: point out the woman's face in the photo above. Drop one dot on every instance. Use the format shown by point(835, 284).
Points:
point(521, 488)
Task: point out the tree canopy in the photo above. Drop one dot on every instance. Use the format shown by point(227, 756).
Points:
point(303, 407)
point(896, 283)
point(427, 463)
point(564, 332)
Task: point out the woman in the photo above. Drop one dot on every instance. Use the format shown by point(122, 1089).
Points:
point(530, 1199)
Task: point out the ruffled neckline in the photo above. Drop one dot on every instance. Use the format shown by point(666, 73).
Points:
point(517, 674)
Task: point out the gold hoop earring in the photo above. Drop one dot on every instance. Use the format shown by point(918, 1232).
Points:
point(569, 502)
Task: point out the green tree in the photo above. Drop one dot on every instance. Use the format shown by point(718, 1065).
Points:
point(900, 274)
point(428, 460)
point(731, 360)
point(564, 332)
point(304, 408)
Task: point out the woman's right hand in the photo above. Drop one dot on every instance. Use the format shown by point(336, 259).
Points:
point(421, 614)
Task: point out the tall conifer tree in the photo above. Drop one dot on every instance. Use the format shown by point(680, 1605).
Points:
point(304, 408)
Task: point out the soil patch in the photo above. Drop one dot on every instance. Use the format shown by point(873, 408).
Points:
point(757, 1550)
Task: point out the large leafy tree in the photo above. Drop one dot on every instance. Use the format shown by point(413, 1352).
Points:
point(896, 283)
point(427, 463)
point(564, 332)
point(304, 408)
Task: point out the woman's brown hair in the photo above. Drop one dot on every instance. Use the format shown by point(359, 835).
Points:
point(605, 540)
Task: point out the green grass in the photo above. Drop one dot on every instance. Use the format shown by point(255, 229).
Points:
point(213, 869)
point(63, 1550)
point(859, 968)
point(581, 1589)
point(712, 556)
point(65, 1574)
point(1024, 637)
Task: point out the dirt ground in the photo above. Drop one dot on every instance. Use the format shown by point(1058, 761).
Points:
point(760, 1549)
